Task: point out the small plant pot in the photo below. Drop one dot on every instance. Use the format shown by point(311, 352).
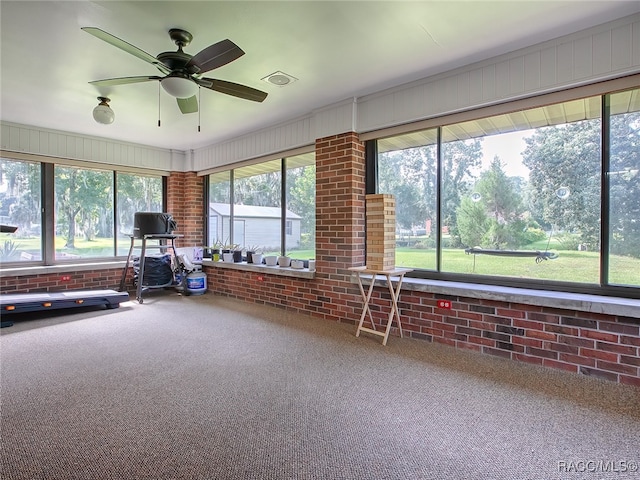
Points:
point(237, 256)
point(215, 254)
point(271, 260)
point(297, 264)
point(227, 257)
point(256, 258)
point(284, 261)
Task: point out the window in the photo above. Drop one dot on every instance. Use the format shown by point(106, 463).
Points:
point(136, 193)
point(520, 195)
point(409, 174)
point(624, 188)
point(20, 206)
point(253, 197)
point(300, 225)
point(219, 195)
point(257, 199)
point(83, 205)
point(91, 213)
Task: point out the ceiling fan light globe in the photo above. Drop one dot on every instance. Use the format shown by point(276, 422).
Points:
point(103, 114)
point(179, 87)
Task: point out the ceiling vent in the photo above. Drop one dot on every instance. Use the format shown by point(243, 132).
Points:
point(279, 79)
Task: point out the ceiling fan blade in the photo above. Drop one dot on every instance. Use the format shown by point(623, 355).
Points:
point(215, 56)
point(188, 105)
point(235, 89)
point(127, 47)
point(109, 82)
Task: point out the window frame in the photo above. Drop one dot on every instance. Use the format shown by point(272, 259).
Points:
point(603, 287)
point(285, 162)
point(47, 214)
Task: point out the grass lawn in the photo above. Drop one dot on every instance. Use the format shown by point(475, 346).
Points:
point(570, 266)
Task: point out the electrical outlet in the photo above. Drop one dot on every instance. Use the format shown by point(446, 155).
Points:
point(444, 304)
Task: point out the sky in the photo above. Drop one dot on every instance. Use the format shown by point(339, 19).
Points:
point(508, 147)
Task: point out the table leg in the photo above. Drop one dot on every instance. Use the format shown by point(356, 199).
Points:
point(126, 268)
point(141, 271)
point(395, 295)
point(366, 298)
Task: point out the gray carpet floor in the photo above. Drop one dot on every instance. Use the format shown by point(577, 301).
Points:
point(205, 387)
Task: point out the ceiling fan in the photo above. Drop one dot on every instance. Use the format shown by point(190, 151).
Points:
point(183, 72)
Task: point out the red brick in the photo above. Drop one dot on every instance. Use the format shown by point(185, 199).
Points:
point(560, 365)
point(597, 335)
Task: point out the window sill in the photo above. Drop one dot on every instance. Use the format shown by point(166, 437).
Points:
point(59, 268)
point(249, 267)
point(616, 306)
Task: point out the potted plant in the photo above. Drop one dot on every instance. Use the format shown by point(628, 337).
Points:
point(284, 260)
point(237, 254)
point(254, 250)
point(297, 264)
point(271, 260)
point(226, 250)
point(213, 252)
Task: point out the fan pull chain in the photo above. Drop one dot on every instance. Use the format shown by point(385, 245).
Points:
point(158, 103)
point(199, 107)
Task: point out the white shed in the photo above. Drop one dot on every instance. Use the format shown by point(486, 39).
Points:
point(253, 226)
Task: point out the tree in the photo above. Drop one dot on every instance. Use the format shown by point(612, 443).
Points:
point(494, 217)
point(136, 193)
point(472, 222)
point(625, 184)
point(259, 190)
point(459, 160)
point(301, 198)
point(410, 176)
point(566, 158)
point(21, 200)
point(80, 197)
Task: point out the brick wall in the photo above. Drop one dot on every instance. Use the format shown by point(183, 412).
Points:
point(587, 343)
point(55, 282)
point(185, 201)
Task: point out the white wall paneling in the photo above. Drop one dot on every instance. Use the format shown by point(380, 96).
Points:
point(50, 143)
point(600, 53)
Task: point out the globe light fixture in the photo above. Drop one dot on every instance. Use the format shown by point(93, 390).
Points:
point(179, 85)
point(103, 113)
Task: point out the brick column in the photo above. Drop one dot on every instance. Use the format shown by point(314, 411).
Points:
point(185, 200)
point(340, 204)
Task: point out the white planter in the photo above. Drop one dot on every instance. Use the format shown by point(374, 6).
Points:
point(284, 261)
point(227, 257)
point(256, 258)
point(271, 260)
point(297, 264)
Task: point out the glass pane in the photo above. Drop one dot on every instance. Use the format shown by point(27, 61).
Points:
point(409, 174)
point(20, 207)
point(300, 224)
point(624, 182)
point(135, 193)
point(219, 200)
point(257, 204)
point(524, 202)
point(83, 213)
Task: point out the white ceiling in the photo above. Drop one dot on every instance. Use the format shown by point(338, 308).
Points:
point(336, 50)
